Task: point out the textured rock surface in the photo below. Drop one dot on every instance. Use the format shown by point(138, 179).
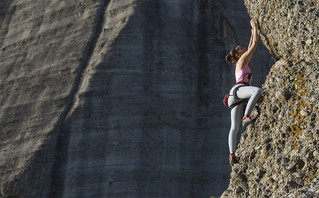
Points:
point(289, 28)
point(117, 98)
point(309, 190)
point(279, 152)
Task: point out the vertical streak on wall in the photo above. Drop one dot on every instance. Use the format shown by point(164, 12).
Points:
point(203, 70)
point(151, 73)
point(62, 142)
point(198, 157)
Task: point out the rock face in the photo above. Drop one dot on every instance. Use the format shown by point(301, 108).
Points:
point(117, 98)
point(289, 29)
point(279, 152)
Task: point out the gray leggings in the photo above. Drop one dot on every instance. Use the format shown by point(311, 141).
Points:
point(251, 92)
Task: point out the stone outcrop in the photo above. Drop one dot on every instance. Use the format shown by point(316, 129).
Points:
point(289, 29)
point(279, 152)
point(117, 98)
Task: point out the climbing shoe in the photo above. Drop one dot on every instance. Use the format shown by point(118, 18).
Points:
point(247, 119)
point(233, 159)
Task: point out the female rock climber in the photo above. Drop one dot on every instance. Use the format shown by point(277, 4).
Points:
point(241, 90)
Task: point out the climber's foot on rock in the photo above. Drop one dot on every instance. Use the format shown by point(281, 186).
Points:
point(247, 119)
point(233, 159)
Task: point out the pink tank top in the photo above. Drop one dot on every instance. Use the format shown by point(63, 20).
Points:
point(244, 75)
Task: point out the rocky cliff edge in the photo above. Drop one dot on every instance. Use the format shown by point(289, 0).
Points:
point(279, 153)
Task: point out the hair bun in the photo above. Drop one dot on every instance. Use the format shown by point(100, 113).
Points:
point(229, 58)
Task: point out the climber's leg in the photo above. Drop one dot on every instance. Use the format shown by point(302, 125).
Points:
point(253, 93)
point(236, 115)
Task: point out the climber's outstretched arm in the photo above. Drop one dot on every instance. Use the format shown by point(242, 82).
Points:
point(251, 39)
point(245, 58)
